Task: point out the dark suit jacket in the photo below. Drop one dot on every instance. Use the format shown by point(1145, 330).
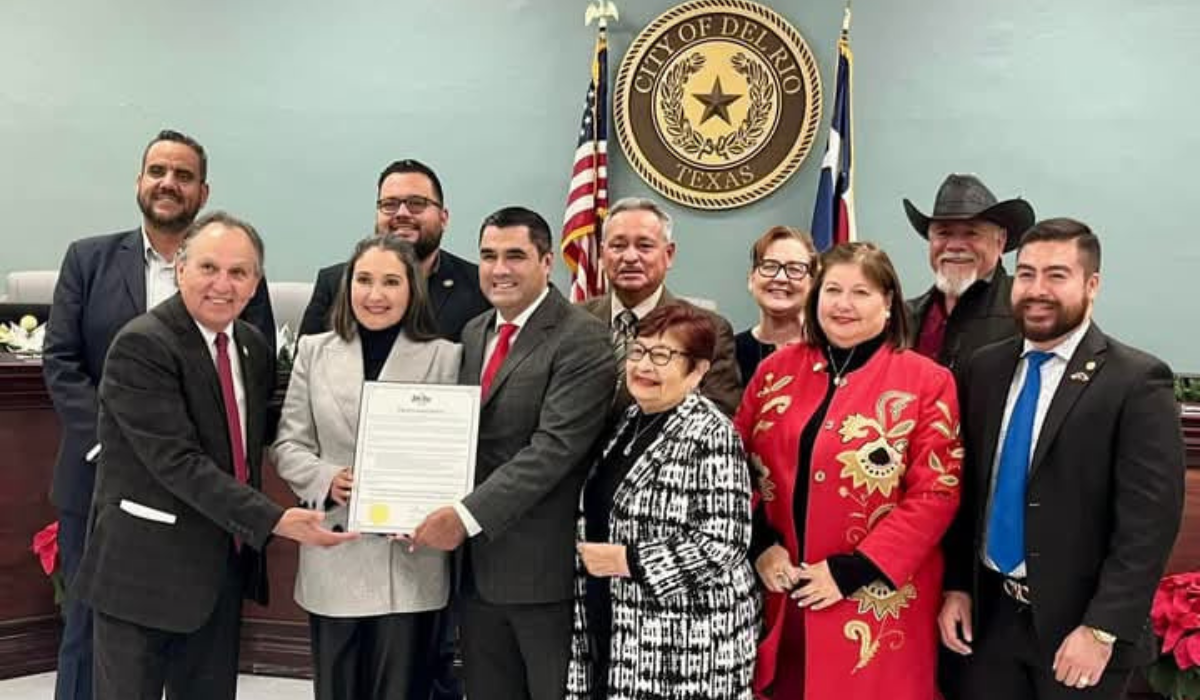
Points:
point(983, 316)
point(1105, 491)
point(166, 446)
point(537, 429)
point(454, 296)
point(722, 384)
point(101, 286)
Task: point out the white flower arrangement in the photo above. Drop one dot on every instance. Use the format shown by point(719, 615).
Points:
point(24, 337)
point(285, 342)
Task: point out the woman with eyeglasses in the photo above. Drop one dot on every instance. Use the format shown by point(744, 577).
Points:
point(780, 276)
point(372, 604)
point(666, 605)
point(854, 440)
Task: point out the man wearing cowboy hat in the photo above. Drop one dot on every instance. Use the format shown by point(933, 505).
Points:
point(968, 305)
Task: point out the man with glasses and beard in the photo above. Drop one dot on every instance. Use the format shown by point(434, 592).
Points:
point(410, 204)
point(967, 307)
point(105, 281)
point(1072, 493)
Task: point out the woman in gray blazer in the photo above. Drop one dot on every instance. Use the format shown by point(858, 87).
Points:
point(371, 603)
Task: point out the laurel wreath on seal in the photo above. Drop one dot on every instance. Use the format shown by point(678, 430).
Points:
point(679, 127)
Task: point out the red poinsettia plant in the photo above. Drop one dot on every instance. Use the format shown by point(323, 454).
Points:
point(1175, 615)
point(45, 546)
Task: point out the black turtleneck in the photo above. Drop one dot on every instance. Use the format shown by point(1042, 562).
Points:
point(376, 346)
point(850, 571)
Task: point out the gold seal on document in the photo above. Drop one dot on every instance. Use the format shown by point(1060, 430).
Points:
point(717, 103)
point(379, 513)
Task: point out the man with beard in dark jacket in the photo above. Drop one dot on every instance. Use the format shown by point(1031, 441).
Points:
point(968, 305)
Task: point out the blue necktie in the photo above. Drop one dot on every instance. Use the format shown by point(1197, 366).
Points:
point(1006, 525)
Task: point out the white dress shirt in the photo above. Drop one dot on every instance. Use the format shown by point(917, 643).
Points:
point(239, 390)
point(160, 275)
point(640, 310)
point(469, 522)
point(1052, 372)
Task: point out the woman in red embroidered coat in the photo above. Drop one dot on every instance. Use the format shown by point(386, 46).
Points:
point(855, 441)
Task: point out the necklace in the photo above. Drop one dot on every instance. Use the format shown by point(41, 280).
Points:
point(838, 380)
point(638, 430)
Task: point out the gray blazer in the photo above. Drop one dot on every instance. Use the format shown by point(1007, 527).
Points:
point(317, 432)
point(537, 429)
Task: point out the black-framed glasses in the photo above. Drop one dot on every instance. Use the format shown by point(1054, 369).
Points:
point(415, 204)
point(794, 271)
point(660, 355)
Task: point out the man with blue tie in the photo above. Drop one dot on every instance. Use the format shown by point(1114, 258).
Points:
point(104, 282)
point(1073, 491)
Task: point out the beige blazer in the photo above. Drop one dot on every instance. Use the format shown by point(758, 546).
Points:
point(372, 575)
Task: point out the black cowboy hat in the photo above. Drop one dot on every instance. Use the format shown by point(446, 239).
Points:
point(963, 197)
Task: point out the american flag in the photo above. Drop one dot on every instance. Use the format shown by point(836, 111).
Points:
point(587, 202)
point(833, 215)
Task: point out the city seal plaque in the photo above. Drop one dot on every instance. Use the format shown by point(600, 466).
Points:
point(717, 103)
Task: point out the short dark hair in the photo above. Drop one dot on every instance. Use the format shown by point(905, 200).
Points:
point(539, 230)
point(692, 326)
point(1066, 229)
point(179, 137)
point(228, 221)
point(780, 233)
point(418, 324)
point(409, 165)
point(878, 269)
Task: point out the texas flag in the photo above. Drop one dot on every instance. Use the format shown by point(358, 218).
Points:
point(833, 215)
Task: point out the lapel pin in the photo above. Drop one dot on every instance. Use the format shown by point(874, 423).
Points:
point(447, 283)
point(1090, 366)
point(1080, 377)
point(818, 367)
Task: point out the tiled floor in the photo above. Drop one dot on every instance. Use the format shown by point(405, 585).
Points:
point(41, 687)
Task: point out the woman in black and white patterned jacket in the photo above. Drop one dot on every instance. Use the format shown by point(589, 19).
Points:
point(666, 605)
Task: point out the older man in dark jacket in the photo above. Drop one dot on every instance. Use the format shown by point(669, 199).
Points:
point(968, 305)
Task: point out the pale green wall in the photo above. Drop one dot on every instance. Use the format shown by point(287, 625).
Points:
point(1083, 106)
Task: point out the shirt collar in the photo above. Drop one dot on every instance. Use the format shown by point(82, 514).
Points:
point(210, 337)
point(149, 254)
point(648, 304)
point(523, 317)
point(1066, 348)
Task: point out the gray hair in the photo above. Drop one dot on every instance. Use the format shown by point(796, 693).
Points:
point(228, 221)
point(639, 204)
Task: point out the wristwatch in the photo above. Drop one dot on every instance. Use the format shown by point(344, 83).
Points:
point(1103, 637)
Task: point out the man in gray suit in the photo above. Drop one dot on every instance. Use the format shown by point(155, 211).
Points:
point(178, 523)
point(637, 251)
point(547, 376)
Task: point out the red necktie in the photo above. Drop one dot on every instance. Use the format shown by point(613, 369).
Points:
point(225, 373)
point(503, 344)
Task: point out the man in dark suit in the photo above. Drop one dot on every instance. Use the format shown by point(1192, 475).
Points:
point(969, 232)
point(104, 282)
point(179, 524)
point(636, 252)
point(547, 380)
point(411, 205)
point(1073, 491)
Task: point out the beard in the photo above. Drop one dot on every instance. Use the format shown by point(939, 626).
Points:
point(1064, 319)
point(170, 224)
point(954, 285)
point(427, 243)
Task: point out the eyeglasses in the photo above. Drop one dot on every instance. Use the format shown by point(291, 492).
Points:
point(660, 355)
point(414, 203)
point(770, 269)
